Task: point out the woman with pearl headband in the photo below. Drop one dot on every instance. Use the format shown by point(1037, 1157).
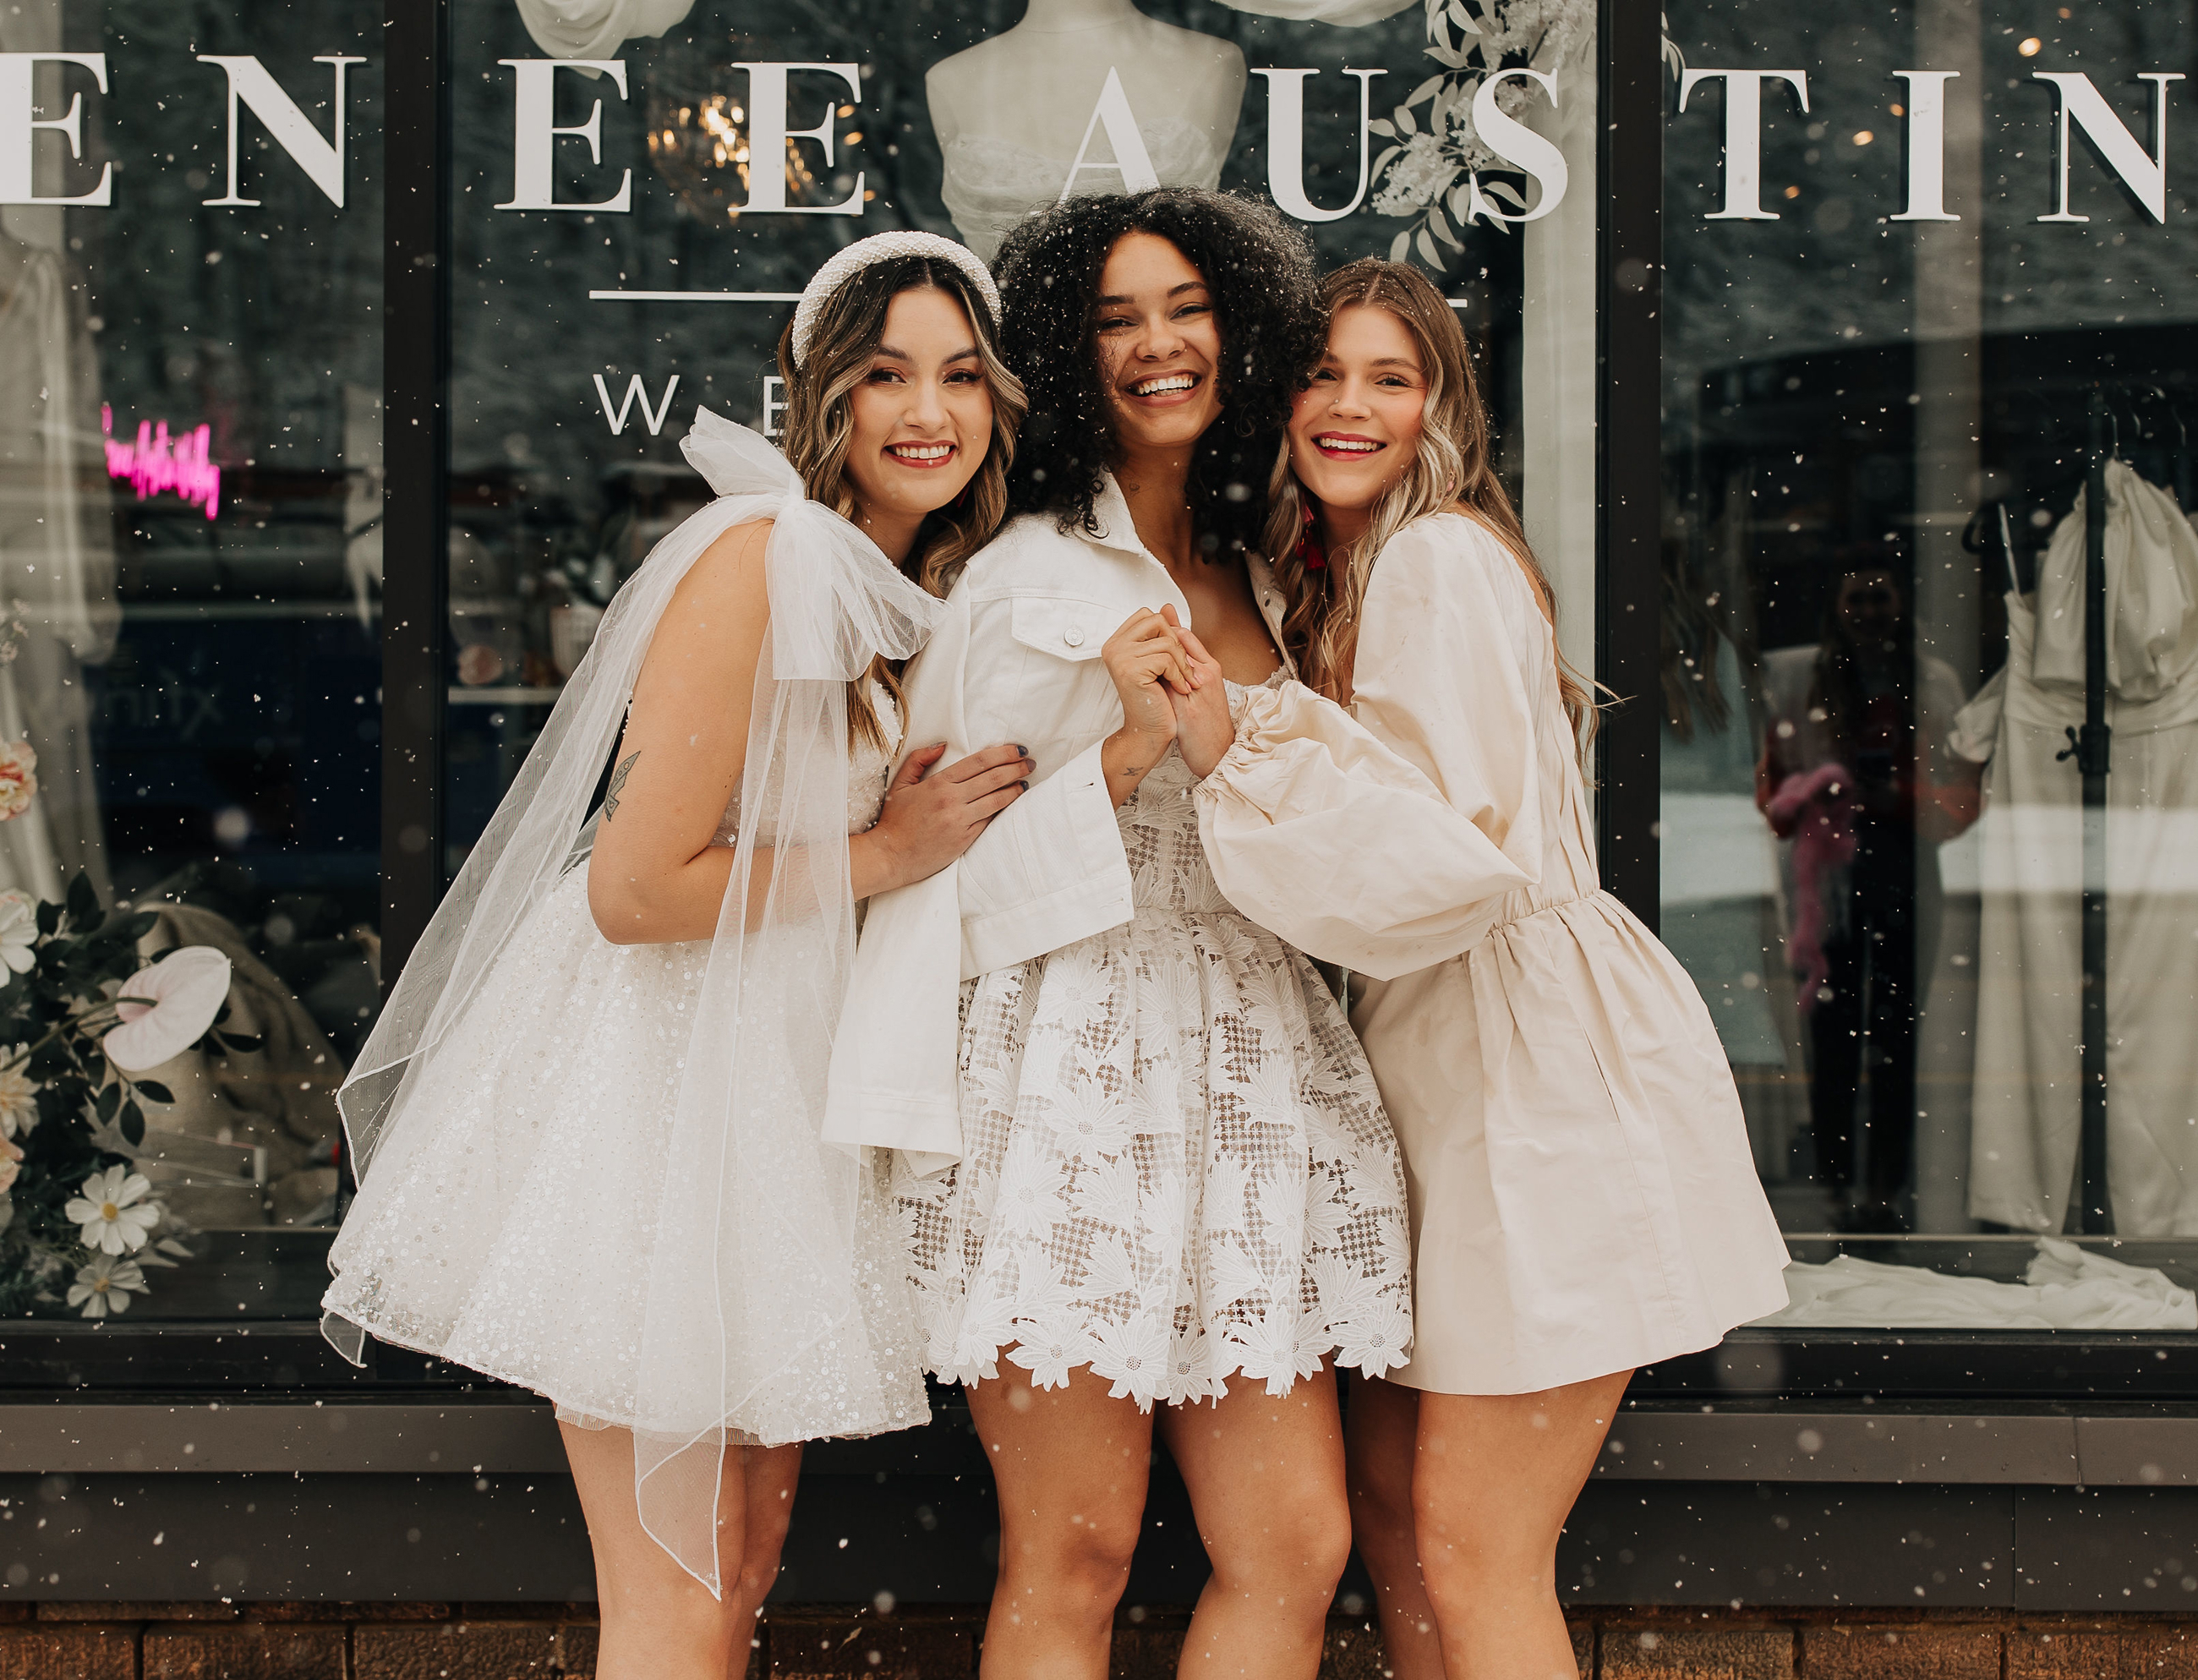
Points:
point(588, 1120)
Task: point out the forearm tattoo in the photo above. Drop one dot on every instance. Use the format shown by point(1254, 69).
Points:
point(618, 785)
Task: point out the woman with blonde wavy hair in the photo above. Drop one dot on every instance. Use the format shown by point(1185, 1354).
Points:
point(1582, 1199)
point(588, 1120)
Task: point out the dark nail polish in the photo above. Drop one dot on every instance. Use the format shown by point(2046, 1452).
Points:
point(1021, 751)
point(1025, 786)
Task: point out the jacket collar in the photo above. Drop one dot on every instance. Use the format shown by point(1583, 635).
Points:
point(1110, 512)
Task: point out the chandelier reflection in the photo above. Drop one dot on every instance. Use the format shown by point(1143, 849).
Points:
point(698, 137)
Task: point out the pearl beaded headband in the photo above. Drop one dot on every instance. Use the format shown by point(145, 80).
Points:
point(883, 248)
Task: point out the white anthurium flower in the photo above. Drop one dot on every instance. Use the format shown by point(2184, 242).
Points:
point(11, 1163)
point(105, 1284)
point(19, 1097)
point(111, 1211)
point(19, 931)
point(165, 1008)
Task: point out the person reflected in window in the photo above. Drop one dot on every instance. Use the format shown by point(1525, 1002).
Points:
point(1849, 776)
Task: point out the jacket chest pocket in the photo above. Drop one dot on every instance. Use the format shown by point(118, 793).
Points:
point(1051, 629)
point(1067, 629)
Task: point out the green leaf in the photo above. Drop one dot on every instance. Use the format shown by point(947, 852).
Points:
point(133, 1126)
point(50, 918)
point(1424, 89)
point(153, 1092)
point(139, 925)
point(1427, 247)
point(1401, 246)
point(1383, 125)
point(238, 1043)
point(1406, 125)
point(1440, 224)
point(107, 1102)
point(83, 903)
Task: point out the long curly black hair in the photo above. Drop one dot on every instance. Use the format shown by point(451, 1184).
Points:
point(1260, 270)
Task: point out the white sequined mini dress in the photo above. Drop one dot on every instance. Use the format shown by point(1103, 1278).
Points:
point(508, 1225)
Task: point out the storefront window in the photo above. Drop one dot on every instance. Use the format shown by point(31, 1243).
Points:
point(1927, 305)
point(605, 286)
point(190, 493)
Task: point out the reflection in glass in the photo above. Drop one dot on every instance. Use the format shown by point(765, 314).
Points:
point(1885, 393)
point(190, 567)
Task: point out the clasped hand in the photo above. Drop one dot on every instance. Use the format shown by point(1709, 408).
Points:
point(1170, 688)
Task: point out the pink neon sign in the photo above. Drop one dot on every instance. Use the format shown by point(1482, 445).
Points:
point(157, 461)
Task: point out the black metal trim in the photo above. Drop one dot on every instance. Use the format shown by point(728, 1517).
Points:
point(1629, 479)
point(415, 372)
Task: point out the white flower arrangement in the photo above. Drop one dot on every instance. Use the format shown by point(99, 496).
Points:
point(1436, 158)
point(19, 781)
point(83, 1016)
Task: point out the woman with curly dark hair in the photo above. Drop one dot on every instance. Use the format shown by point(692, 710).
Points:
point(1146, 1162)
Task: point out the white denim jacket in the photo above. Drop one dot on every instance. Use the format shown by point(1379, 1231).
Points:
point(1016, 660)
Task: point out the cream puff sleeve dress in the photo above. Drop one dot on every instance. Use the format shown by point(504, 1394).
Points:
point(1582, 1195)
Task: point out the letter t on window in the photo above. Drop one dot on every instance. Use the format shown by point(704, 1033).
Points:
point(1744, 137)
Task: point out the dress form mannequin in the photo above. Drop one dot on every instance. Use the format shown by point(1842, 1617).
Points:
point(56, 564)
point(1013, 113)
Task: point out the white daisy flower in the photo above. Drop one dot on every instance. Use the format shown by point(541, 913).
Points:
point(1028, 1201)
point(1374, 1342)
point(19, 1099)
point(1048, 1350)
point(19, 931)
point(1133, 1357)
point(1108, 1269)
point(111, 1211)
point(105, 1284)
point(1107, 1191)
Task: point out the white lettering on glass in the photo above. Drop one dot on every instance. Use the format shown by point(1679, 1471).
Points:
point(1131, 160)
point(1286, 142)
point(1927, 145)
point(2145, 175)
point(635, 391)
point(769, 138)
point(1514, 143)
point(250, 85)
point(19, 129)
point(1744, 137)
point(535, 134)
point(774, 404)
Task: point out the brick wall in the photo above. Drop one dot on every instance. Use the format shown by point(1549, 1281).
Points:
point(505, 1642)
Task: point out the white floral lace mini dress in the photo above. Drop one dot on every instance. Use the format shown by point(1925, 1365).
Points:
point(1175, 1167)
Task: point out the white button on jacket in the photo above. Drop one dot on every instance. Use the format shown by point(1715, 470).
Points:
point(1016, 660)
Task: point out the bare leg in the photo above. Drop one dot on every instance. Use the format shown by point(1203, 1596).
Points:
point(1072, 1466)
point(1382, 1431)
point(768, 1475)
point(1496, 1476)
point(658, 1622)
point(1265, 1476)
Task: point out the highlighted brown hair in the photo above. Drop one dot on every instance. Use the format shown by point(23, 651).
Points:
point(819, 428)
point(1452, 471)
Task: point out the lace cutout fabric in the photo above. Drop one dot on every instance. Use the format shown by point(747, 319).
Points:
point(1176, 1168)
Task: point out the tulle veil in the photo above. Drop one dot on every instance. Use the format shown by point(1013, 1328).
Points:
point(765, 1323)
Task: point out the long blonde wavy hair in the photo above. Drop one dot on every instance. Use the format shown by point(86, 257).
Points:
point(1452, 470)
point(818, 429)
